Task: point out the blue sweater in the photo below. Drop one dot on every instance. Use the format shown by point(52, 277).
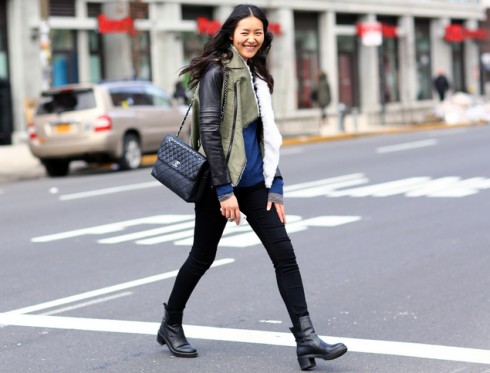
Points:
point(253, 173)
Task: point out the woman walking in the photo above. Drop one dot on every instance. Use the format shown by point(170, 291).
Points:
point(234, 124)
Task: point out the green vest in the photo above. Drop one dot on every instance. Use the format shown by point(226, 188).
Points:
point(240, 111)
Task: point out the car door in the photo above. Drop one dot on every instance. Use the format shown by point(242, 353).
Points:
point(131, 111)
point(166, 116)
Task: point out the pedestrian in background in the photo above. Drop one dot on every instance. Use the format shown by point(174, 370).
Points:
point(441, 84)
point(323, 93)
point(180, 93)
point(242, 149)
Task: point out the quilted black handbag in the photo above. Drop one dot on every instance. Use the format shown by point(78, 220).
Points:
point(180, 167)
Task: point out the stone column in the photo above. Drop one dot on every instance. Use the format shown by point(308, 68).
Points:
point(221, 13)
point(83, 50)
point(369, 74)
point(282, 61)
point(471, 58)
point(167, 46)
point(408, 62)
point(117, 46)
point(441, 50)
point(24, 61)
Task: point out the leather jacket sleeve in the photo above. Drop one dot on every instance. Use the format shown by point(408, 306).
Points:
point(210, 88)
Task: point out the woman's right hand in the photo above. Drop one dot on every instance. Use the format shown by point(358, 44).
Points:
point(230, 210)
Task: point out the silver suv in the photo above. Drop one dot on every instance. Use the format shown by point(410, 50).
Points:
point(116, 121)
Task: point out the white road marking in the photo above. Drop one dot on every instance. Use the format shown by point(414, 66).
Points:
point(114, 227)
point(182, 232)
point(381, 190)
point(417, 350)
point(335, 186)
point(109, 289)
point(463, 188)
point(421, 186)
point(247, 237)
point(324, 189)
point(323, 182)
point(86, 304)
point(112, 190)
point(166, 238)
point(147, 233)
point(406, 146)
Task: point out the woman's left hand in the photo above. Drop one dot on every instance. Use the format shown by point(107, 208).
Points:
point(279, 209)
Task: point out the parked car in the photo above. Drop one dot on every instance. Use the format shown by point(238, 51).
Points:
point(114, 121)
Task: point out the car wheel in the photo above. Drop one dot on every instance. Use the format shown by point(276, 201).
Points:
point(131, 158)
point(56, 167)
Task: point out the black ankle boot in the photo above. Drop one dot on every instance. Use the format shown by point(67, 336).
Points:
point(174, 337)
point(310, 346)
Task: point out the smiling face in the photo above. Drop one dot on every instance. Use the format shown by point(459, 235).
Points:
point(248, 37)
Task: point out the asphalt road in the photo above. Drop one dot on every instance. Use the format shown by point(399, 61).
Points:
point(391, 234)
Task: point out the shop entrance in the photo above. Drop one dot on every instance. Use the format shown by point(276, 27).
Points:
point(65, 58)
point(348, 71)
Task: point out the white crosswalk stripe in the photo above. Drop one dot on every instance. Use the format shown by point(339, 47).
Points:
point(180, 230)
point(354, 185)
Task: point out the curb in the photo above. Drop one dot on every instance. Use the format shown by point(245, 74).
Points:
point(388, 131)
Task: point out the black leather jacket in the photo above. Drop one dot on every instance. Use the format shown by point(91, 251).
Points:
point(210, 87)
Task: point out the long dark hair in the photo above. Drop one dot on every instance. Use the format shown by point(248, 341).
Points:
point(217, 49)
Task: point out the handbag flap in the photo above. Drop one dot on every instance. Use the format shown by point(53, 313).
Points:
point(181, 157)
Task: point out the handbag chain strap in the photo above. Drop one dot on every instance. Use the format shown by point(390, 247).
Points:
point(192, 152)
point(226, 76)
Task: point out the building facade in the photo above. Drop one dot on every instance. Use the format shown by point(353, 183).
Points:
point(380, 56)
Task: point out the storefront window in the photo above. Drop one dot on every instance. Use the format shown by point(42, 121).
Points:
point(457, 54)
point(422, 53)
point(307, 56)
point(389, 65)
point(193, 42)
point(458, 84)
point(65, 57)
point(96, 60)
point(141, 55)
point(193, 45)
point(347, 49)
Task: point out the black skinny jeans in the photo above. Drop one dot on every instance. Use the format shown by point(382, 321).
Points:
point(209, 227)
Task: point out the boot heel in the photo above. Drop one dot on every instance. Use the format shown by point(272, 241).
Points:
point(306, 363)
point(160, 339)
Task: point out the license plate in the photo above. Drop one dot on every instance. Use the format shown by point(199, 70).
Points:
point(62, 128)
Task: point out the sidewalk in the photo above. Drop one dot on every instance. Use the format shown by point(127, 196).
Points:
point(17, 163)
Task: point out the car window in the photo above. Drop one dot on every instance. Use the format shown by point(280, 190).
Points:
point(70, 100)
point(130, 96)
point(147, 95)
point(158, 97)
